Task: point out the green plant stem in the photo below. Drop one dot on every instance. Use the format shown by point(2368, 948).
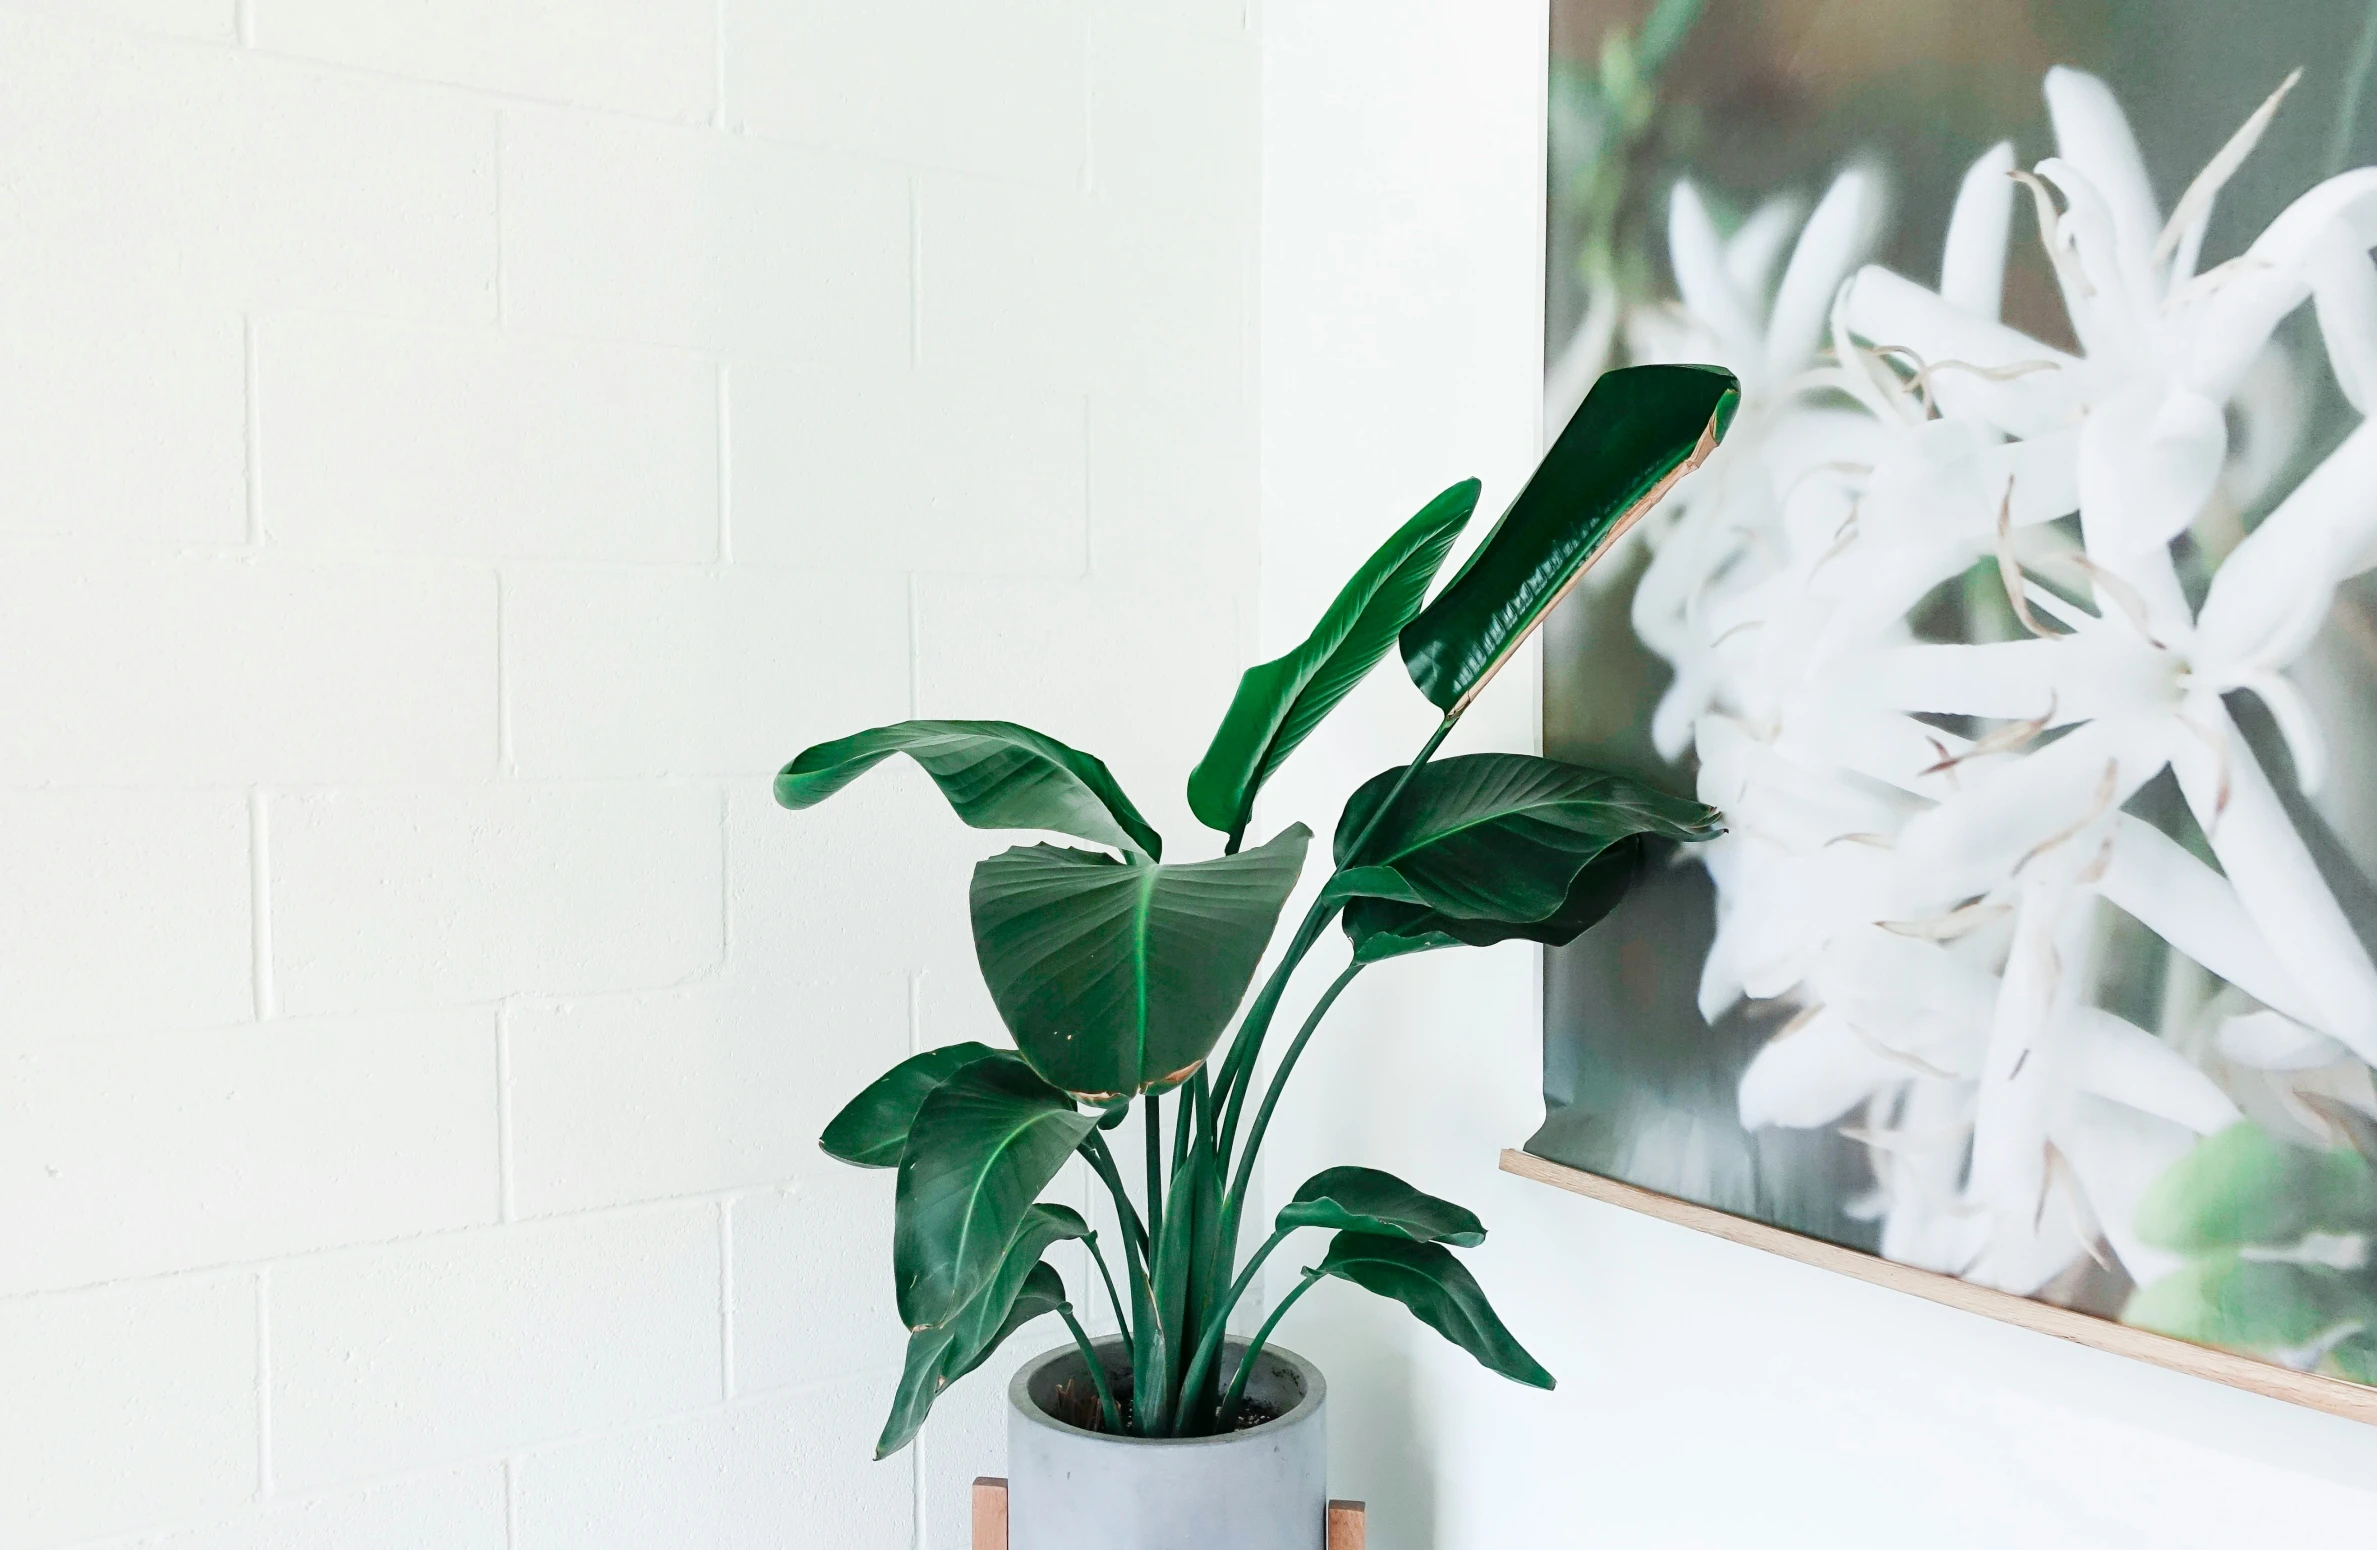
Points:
point(1108, 1410)
point(1230, 1086)
point(1154, 1145)
point(1228, 1409)
point(1101, 1163)
point(1237, 1072)
point(1234, 1203)
point(1122, 1324)
point(1217, 1326)
point(1353, 852)
point(1194, 1097)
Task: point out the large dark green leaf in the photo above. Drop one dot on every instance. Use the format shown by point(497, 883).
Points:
point(1279, 703)
point(872, 1128)
point(2245, 1187)
point(1367, 1200)
point(1502, 836)
point(1025, 1288)
point(1427, 1279)
point(1384, 927)
point(1639, 431)
point(985, 1143)
point(996, 774)
point(1117, 976)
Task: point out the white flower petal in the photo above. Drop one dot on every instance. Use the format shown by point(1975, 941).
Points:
point(2158, 883)
point(2056, 682)
point(1698, 256)
point(2111, 308)
point(2272, 1041)
point(2115, 1058)
point(2275, 876)
point(1976, 839)
point(2115, 1155)
point(2093, 134)
point(1751, 256)
point(2227, 329)
point(2344, 288)
point(1973, 269)
point(1838, 238)
point(2272, 593)
point(2182, 238)
point(1813, 1074)
point(2149, 460)
point(2305, 743)
point(1888, 309)
point(2019, 1079)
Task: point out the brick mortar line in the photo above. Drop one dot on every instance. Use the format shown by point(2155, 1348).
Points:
point(232, 1268)
point(508, 1461)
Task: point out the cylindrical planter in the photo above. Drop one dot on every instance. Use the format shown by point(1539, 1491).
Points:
point(1266, 1488)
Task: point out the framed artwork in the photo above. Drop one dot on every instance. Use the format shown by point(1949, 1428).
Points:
point(2025, 630)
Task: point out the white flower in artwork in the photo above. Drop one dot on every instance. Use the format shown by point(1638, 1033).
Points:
point(1932, 903)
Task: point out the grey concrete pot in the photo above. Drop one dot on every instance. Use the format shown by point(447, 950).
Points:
point(1263, 1489)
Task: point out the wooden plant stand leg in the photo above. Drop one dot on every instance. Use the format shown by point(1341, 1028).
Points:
point(1348, 1521)
point(990, 1513)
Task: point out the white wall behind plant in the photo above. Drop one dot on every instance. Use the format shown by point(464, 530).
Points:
point(450, 453)
point(1710, 1396)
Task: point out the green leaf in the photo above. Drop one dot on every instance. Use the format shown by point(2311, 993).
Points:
point(2245, 1187)
point(984, 1144)
point(1502, 836)
point(1279, 703)
point(1639, 431)
point(872, 1128)
point(1366, 1200)
point(1209, 1273)
point(2252, 1304)
point(1043, 1291)
point(1382, 928)
point(996, 774)
point(1175, 1254)
point(1116, 977)
point(1427, 1279)
point(1026, 1287)
point(2355, 1357)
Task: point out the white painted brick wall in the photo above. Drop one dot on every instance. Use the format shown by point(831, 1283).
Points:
point(452, 451)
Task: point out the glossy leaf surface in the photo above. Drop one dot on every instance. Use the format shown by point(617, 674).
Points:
point(1640, 430)
point(1153, 1404)
point(2244, 1187)
point(1116, 977)
point(984, 1144)
point(1427, 1279)
point(1383, 928)
point(872, 1128)
point(996, 775)
point(1279, 703)
point(1025, 1288)
point(1367, 1200)
point(1502, 836)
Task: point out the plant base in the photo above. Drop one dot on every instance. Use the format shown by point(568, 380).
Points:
point(1265, 1488)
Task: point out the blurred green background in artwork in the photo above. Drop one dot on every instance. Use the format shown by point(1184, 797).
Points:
point(1752, 98)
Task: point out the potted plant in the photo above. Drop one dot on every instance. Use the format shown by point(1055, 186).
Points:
point(1117, 973)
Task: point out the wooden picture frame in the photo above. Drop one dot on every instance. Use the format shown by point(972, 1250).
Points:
point(2333, 1395)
